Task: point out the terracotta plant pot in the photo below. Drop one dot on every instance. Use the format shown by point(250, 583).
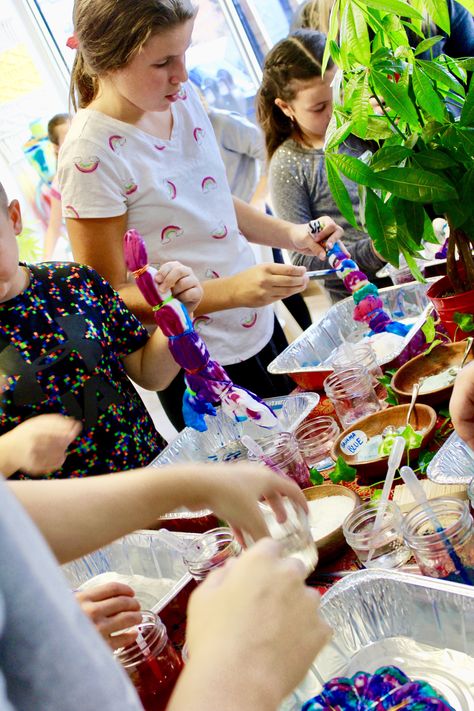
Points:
point(447, 306)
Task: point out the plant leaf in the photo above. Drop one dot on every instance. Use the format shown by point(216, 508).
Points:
point(414, 268)
point(426, 95)
point(439, 74)
point(353, 168)
point(434, 159)
point(360, 106)
point(337, 136)
point(357, 34)
point(414, 184)
point(467, 113)
point(429, 330)
point(396, 6)
point(388, 156)
point(339, 192)
point(315, 476)
point(396, 97)
point(381, 225)
point(424, 458)
point(426, 44)
point(439, 13)
point(464, 321)
point(342, 471)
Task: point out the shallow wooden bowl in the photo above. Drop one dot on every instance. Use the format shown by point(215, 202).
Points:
point(423, 417)
point(442, 357)
point(332, 545)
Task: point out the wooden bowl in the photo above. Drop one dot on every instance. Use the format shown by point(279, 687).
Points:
point(442, 357)
point(332, 545)
point(368, 471)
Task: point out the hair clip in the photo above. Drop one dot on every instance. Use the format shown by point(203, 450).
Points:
point(72, 42)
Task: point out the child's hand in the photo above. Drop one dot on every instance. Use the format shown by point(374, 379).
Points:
point(112, 607)
point(38, 445)
point(182, 282)
point(266, 283)
point(307, 241)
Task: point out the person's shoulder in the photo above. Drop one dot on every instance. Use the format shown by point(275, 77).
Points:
point(286, 152)
point(71, 273)
point(90, 129)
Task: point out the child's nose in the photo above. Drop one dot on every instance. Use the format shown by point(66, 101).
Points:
point(180, 73)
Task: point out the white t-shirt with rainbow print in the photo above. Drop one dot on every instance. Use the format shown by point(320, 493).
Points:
point(176, 195)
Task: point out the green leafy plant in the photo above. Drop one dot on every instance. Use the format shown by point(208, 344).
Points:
point(421, 133)
point(385, 380)
point(342, 472)
point(315, 476)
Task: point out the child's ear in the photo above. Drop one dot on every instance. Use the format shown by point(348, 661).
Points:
point(14, 212)
point(283, 106)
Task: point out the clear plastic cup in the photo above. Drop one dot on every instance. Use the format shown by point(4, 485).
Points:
point(384, 548)
point(315, 439)
point(352, 394)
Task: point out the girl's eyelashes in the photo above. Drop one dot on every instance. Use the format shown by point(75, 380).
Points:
point(161, 64)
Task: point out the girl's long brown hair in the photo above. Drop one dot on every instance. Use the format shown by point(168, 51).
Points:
point(111, 32)
point(298, 57)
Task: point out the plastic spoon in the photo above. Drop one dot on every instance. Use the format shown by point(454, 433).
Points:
point(390, 429)
point(172, 540)
point(395, 457)
point(418, 493)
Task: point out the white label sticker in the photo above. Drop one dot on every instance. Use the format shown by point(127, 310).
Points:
point(353, 442)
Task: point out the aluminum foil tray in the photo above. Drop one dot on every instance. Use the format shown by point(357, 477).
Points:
point(140, 553)
point(315, 345)
point(221, 441)
point(420, 624)
point(453, 463)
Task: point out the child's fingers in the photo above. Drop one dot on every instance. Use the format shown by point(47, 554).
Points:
point(106, 591)
point(170, 273)
point(119, 622)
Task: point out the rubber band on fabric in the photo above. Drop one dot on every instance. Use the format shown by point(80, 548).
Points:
point(140, 271)
point(157, 307)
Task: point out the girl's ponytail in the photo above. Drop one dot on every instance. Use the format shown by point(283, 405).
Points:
point(83, 86)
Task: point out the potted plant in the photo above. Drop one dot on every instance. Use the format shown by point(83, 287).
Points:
point(417, 114)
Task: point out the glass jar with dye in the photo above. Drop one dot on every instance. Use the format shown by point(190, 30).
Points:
point(210, 551)
point(152, 663)
point(441, 537)
point(315, 439)
point(354, 355)
point(281, 453)
point(380, 546)
point(352, 393)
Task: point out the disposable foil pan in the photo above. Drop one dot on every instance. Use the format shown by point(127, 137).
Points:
point(422, 625)
point(221, 441)
point(140, 553)
point(453, 463)
point(404, 302)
